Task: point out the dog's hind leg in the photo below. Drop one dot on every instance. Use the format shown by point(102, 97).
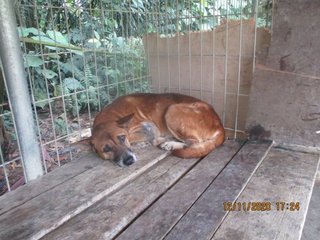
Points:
point(200, 149)
point(198, 128)
point(172, 145)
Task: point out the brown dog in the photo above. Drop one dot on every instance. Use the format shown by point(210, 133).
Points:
point(193, 124)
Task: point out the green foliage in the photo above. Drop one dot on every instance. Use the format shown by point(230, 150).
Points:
point(79, 75)
point(60, 125)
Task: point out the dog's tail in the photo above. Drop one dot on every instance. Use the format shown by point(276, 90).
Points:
point(198, 150)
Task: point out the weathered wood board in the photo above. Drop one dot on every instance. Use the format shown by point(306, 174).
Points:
point(292, 116)
point(166, 197)
point(204, 217)
point(167, 211)
point(107, 218)
point(47, 182)
point(311, 229)
point(47, 211)
point(284, 176)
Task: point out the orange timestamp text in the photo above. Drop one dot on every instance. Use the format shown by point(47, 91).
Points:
point(261, 206)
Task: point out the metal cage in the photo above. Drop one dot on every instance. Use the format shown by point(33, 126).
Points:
point(77, 56)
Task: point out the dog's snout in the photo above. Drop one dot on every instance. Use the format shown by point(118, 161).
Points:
point(124, 157)
point(128, 160)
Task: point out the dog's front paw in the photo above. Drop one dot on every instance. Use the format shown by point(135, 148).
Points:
point(172, 145)
point(166, 146)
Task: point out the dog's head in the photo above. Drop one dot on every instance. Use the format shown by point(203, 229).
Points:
point(111, 141)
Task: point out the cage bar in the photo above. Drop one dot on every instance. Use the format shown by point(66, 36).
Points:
point(18, 93)
point(239, 73)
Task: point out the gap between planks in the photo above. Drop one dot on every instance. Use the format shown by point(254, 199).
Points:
point(108, 217)
point(35, 188)
point(111, 215)
point(283, 176)
point(47, 211)
point(206, 215)
point(165, 214)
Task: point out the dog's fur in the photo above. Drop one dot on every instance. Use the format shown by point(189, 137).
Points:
point(192, 123)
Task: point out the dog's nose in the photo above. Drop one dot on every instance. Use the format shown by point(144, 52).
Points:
point(128, 160)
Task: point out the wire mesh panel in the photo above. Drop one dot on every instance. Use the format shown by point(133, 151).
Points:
point(207, 49)
point(80, 55)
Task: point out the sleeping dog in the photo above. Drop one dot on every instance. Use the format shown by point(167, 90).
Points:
point(187, 126)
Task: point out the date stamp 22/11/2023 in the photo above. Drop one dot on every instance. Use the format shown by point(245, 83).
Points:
point(261, 206)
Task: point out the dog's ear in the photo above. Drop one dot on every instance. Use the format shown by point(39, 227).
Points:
point(124, 122)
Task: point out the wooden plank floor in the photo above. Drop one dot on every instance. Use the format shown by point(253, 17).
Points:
point(284, 176)
point(311, 228)
point(164, 197)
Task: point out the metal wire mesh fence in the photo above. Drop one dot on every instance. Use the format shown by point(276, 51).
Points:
point(80, 55)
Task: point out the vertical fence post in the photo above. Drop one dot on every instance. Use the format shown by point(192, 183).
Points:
point(18, 93)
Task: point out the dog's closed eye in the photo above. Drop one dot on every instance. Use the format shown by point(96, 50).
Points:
point(107, 148)
point(122, 138)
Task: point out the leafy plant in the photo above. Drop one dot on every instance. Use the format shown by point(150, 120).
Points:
point(80, 73)
point(61, 127)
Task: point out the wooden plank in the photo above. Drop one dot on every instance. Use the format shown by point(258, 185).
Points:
point(107, 218)
point(85, 162)
point(289, 123)
point(311, 229)
point(42, 214)
point(167, 211)
point(39, 186)
point(207, 213)
point(284, 176)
